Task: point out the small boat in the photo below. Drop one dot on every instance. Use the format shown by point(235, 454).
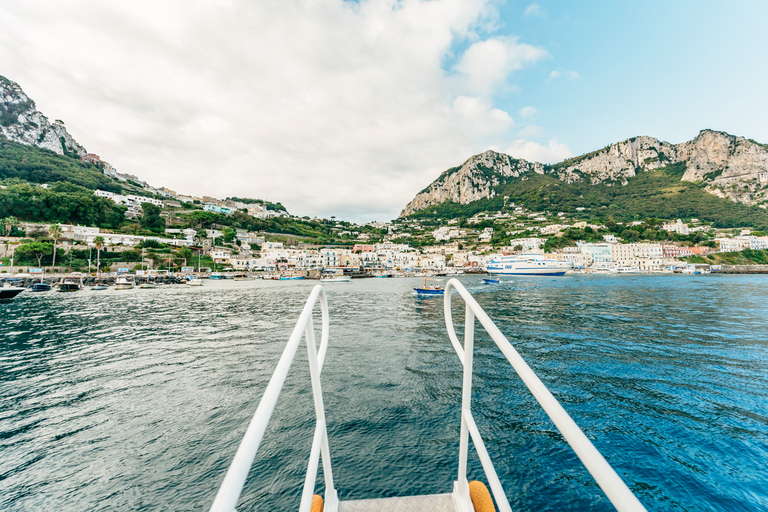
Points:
point(41, 287)
point(431, 289)
point(99, 287)
point(195, 281)
point(124, 283)
point(217, 275)
point(147, 285)
point(7, 292)
point(71, 283)
point(491, 281)
point(335, 277)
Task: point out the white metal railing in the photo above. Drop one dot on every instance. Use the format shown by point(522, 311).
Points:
point(229, 492)
point(611, 483)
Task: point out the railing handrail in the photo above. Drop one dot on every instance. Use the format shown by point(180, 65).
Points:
point(232, 486)
point(609, 481)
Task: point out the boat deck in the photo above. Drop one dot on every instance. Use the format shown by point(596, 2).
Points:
point(428, 503)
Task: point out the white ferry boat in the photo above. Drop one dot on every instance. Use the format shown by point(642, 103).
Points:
point(528, 265)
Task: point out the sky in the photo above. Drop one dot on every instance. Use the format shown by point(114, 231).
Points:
point(349, 109)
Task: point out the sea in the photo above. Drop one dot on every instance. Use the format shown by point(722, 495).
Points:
point(137, 399)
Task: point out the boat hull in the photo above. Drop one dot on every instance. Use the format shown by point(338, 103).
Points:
point(41, 287)
point(428, 291)
point(9, 293)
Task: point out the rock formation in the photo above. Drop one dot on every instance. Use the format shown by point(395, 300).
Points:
point(20, 121)
point(730, 167)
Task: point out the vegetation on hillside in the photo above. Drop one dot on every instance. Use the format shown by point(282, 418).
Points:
point(745, 257)
point(656, 193)
point(63, 203)
point(276, 207)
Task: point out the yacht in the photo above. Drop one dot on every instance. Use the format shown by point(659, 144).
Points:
point(124, 283)
point(70, 283)
point(528, 265)
point(7, 291)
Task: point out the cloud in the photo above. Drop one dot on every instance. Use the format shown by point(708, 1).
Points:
point(486, 64)
point(534, 10)
point(571, 75)
point(528, 111)
point(333, 108)
point(534, 152)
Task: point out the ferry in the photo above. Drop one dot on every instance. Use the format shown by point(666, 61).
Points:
point(528, 265)
point(462, 494)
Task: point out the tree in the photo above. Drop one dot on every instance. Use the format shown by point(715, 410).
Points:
point(8, 224)
point(98, 242)
point(151, 219)
point(35, 250)
point(54, 231)
point(228, 234)
point(185, 253)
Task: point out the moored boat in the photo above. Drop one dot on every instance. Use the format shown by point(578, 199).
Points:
point(195, 281)
point(71, 283)
point(124, 283)
point(8, 291)
point(40, 287)
point(528, 265)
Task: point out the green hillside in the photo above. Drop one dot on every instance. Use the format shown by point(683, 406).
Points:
point(658, 193)
point(36, 165)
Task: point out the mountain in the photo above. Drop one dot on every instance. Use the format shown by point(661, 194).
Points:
point(20, 121)
point(710, 172)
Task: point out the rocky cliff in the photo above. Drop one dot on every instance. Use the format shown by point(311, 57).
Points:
point(20, 121)
point(727, 166)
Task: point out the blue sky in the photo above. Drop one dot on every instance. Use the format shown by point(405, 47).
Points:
point(351, 108)
point(664, 69)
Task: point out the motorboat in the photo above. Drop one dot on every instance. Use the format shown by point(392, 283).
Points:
point(40, 287)
point(8, 291)
point(430, 289)
point(335, 277)
point(194, 281)
point(528, 265)
point(70, 283)
point(462, 494)
point(99, 287)
point(124, 283)
point(491, 281)
point(217, 275)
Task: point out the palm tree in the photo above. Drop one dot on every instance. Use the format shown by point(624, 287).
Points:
point(98, 242)
point(54, 232)
point(8, 224)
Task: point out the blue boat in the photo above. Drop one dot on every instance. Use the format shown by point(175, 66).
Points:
point(491, 281)
point(41, 287)
point(433, 289)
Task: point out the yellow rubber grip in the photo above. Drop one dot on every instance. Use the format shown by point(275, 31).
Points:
point(317, 503)
point(481, 498)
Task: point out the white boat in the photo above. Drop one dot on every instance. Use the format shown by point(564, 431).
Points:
point(195, 281)
point(602, 268)
point(528, 265)
point(335, 277)
point(124, 283)
point(459, 494)
point(628, 270)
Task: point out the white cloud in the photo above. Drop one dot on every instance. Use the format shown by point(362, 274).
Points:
point(486, 64)
point(528, 111)
point(333, 107)
point(534, 10)
point(571, 75)
point(534, 152)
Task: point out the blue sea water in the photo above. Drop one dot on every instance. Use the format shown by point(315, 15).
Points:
point(137, 400)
